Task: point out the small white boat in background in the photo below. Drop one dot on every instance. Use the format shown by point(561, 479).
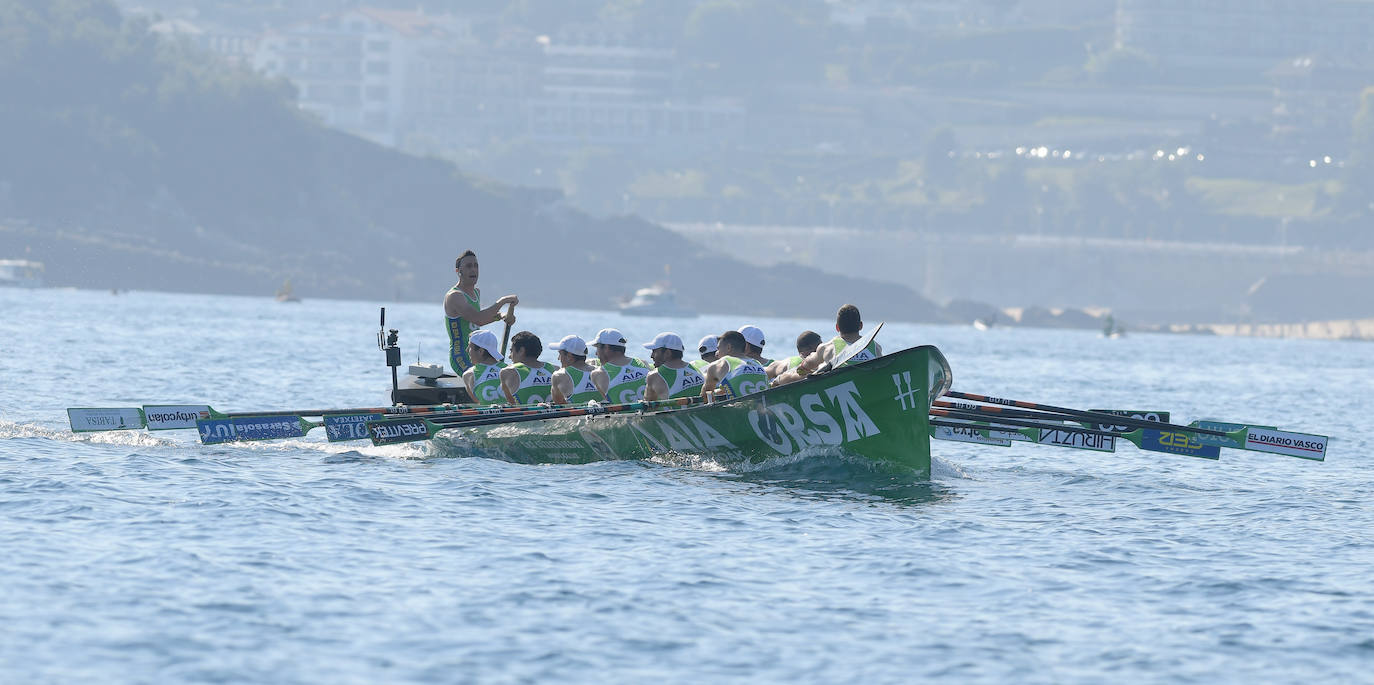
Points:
point(21, 273)
point(656, 300)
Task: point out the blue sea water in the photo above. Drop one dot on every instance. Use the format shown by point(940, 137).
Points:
point(149, 558)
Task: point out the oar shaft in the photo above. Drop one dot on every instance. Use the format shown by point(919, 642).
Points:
point(1096, 417)
point(1017, 422)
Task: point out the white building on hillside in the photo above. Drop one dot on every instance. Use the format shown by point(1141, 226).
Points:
point(360, 70)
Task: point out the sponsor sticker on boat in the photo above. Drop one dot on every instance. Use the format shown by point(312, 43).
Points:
point(967, 434)
point(268, 427)
point(1177, 442)
point(394, 431)
point(339, 427)
point(1302, 445)
point(1077, 439)
point(85, 420)
point(165, 417)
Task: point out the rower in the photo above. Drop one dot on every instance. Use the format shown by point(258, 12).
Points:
point(527, 380)
point(807, 343)
point(483, 378)
point(707, 349)
point(753, 344)
point(671, 378)
point(732, 370)
point(624, 376)
point(577, 381)
point(462, 312)
point(849, 325)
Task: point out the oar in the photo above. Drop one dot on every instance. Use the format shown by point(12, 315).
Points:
point(1175, 439)
point(184, 416)
point(394, 431)
point(339, 427)
point(506, 336)
point(1070, 414)
point(851, 350)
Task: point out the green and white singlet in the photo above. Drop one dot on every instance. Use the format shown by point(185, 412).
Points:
point(700, 364)
point(459, 331)
point(794, 361)
point(627, 382)
point(534, 383)
point(870, 352)
point(584, 390)
point(683, 382)
point(486, 383)
point(745, 377)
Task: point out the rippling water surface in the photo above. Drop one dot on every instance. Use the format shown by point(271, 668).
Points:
point(137, 557)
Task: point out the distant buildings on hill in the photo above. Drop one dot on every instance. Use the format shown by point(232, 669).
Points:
point(443, 82)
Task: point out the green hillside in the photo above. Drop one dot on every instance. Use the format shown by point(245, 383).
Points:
point(134, 163)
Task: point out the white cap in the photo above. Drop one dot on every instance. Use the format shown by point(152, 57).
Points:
point(609, 336)
point(708, 344)
point(573, 344)
point(670, 341)
point(752, 335)
point(487, 340)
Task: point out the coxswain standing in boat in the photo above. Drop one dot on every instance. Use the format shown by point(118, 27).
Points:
point(527, 380)
point(732, 370)
point(849, 325)
point(483, 378)
point(624, 376)
point(753, 344)
point(577, 381)
point(707, 349)
point(671, 378)
point(807, 343)
point(463, 313)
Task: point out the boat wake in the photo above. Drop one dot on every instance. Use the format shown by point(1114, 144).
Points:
point(10, 430)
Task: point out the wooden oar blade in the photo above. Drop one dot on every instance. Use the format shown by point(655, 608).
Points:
point(1269, 439)
point(94, 419)
point(966, 433)
point(397, 431)
point(342, 427)
point(1300, 445)
point(166, 417)
point(252, 428)
point(1174, 442)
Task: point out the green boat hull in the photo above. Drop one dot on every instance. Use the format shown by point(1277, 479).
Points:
point(877, 410)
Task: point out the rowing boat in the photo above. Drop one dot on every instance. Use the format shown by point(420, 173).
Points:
point(885, 410)
point(876, 410)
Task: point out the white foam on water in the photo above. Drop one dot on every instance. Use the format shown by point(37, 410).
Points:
point(130, 438)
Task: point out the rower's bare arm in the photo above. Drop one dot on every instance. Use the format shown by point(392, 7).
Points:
point(776, 369)
point(711, 378)
point(469, 382)
point(560, 384)
point(510, 382)
point(601, 380)
point(878, 348)
point(655, 388)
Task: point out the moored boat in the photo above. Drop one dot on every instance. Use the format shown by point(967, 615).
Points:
point(21, 273)
point(656, 300)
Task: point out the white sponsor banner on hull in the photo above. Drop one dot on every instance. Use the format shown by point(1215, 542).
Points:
point(1300, 445)
point(165, 417)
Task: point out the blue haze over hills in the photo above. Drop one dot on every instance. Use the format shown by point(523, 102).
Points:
point(1205, 161)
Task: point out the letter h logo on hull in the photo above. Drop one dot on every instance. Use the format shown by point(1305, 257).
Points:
point(905, 393)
